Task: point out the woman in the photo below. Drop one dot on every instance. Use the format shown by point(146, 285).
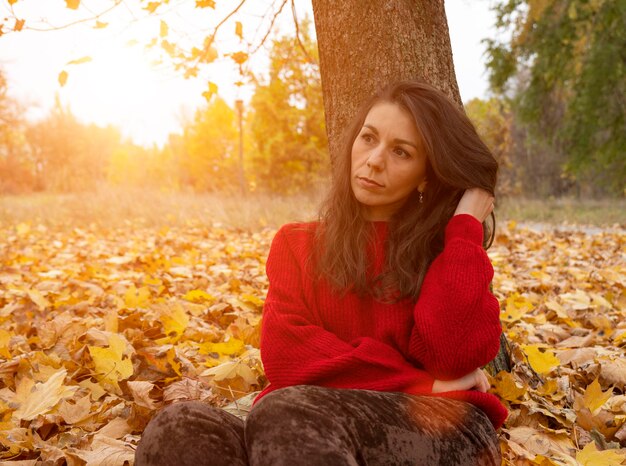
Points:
point(378, 317)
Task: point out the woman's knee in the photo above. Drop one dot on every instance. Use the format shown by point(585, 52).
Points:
point(186, 432)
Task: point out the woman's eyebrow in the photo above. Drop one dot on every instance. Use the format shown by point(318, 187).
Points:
point(397, 140)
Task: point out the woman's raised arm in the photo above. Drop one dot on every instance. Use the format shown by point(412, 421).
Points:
point(457, 319)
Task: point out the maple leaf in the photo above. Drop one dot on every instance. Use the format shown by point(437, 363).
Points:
point(594, 397)
point(542, 360)
point(110, 364)
point(591, 456)
point(34, 399)
point(141, 393)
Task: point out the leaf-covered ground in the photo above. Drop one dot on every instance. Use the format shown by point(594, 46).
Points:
point(101, 328)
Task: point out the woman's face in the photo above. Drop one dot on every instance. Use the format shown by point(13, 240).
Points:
point(388, 161)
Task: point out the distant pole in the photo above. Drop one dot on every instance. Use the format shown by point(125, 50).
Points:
point(242, 179)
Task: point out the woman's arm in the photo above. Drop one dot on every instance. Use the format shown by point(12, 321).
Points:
point(296, 349)
point(457, 319)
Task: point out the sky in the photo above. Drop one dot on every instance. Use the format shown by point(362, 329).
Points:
point(123, 86)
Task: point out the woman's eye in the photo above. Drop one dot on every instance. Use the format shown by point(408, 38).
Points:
point(367, 137)
point(401, 152)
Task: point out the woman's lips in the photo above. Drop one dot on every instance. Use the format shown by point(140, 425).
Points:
point(368, 183)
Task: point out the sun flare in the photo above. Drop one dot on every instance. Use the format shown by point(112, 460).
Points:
point(120, 86)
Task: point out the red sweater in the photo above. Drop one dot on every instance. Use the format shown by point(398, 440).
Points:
point(312, 336)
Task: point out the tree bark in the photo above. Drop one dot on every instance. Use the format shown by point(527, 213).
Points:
point(365, 44)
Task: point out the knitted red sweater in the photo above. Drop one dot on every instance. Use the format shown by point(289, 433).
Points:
point(311, 335)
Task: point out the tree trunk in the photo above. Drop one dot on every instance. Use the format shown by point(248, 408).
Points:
point(363, 45)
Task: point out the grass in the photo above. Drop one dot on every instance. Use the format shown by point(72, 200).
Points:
point(125, 207)
point(120, 207)
point(564, 211)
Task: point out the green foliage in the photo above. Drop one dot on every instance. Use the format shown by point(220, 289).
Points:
point(564, 70)
point(287, 119)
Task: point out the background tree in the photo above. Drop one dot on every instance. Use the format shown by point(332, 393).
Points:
point(69, 155)
point(289, 142)
point(564, 70)
point(16, 168)
point(209, 160)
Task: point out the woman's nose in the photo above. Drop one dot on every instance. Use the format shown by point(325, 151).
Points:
point(376, 159)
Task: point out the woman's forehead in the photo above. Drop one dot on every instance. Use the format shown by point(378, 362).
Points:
point(393, 119)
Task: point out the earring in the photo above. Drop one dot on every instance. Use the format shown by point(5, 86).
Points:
point(421, 197)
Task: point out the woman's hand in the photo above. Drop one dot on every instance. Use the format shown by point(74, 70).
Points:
point(475, 380)
point(476, 202)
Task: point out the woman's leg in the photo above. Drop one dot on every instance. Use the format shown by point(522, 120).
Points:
point(310, 425)
point(192, 433)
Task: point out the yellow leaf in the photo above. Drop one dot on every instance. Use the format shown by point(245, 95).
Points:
point(164, 29)
point(210, 92)
point(5, 337)
point(137, 297)
point(542, 360)
point(591, 456)
point(175, 322)
point(100, 25)
point(79, 61)
point(239, 29)
point(252, 299)
point(231, 348)
point(594, 397)
point(62, 78)
point(152, 6)
point(171, 358)
point(198, 296)
point(205, 3)
point(42, 397)
point(12, 2)
point(72, 4)
point(110, 365)
point(507, 388)
point(517, 306)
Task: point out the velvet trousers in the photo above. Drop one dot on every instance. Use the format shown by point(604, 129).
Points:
point(311, 425)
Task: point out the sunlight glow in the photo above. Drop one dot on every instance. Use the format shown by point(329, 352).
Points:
point(118, 87)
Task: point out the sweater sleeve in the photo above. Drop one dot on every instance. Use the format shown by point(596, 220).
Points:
point(457, 319)
point(296, 349)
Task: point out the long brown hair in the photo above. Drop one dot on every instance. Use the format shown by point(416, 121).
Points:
point(457, 160)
